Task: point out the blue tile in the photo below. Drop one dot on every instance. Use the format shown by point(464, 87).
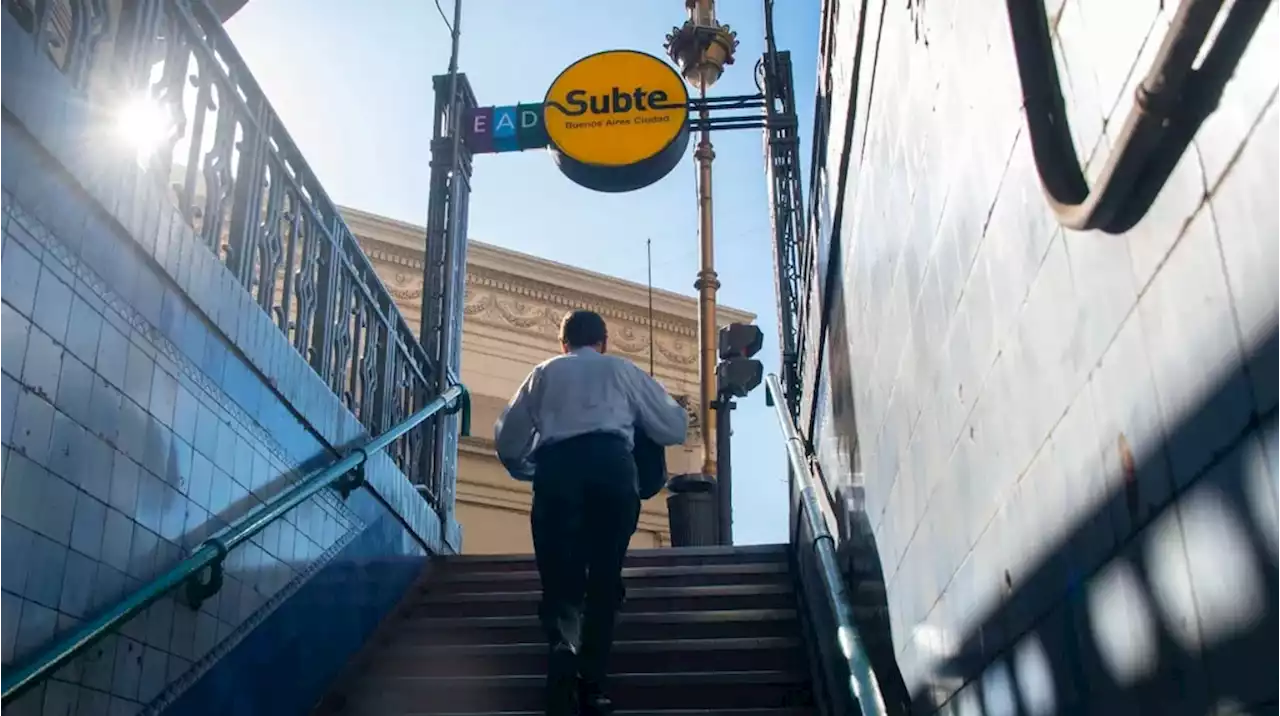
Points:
point(75, 388)
point(185, 410)
point(137, 380)
point(97, 456)
point(20, 275)
point(104, 410)
point(61, 699)
point(128, 668)
point(9, 620)
point(9, 392)
point(33, 422)
point(117, 540)
point(156, 449)
point(225, 456)
point(66, 443)
point(151, 494)
point(48, 567)
point(78, 585)
point(113, 355)
point(174, 519)
point(142, 553)
point(178, 469)
point(43, 365)
point(160, 622)
point(37, 500)
point(53, 305)
point(97, 665)
point(220, 492)
point(183, 634)
point(124, 484)
point(109, 586)
point(90, 521)
point(207, 432)
point(16, 561)
point(155, 669)
point(14, 330)
point(84, 328)
point(35, 628)
point(94, 702)
point(164, 389)
point(132, 435)
point(201, 480)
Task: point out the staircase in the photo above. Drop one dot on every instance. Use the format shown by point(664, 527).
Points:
point(703, 630)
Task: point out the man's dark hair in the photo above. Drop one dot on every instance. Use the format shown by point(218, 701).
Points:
point(583, 328)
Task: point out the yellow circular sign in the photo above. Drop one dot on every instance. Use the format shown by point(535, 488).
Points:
point(616, 108)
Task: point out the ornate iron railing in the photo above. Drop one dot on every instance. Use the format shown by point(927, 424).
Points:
point(240, 182)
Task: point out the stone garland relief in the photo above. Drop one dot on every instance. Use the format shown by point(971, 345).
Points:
point(545, 320)
point(536, 316)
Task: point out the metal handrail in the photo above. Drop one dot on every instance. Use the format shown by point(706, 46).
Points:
point(211, 553)
point(862, 682)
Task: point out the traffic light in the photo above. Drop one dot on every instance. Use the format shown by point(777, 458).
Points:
point(739, 373)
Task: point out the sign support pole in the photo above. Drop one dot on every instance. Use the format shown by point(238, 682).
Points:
point(707, 284)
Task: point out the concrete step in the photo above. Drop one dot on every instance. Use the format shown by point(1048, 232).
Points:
point(666, 712)
point(667, 557)
point(633, 625)
point(647, 599)
point(378, 694)
point(451, 581)
point(407, 656)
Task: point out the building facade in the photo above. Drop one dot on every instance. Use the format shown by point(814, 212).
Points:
point(513, 306)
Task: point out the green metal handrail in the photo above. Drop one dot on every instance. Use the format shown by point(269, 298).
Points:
point(211, 553)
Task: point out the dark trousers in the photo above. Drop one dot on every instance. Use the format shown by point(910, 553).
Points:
point(585, 508)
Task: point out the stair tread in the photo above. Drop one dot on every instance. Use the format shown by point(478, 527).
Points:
point(679, 678)
point(633, 593)
point(674, 617)
point(636, 645)
point(674, 554)
point(675, 570)
point(795, 711)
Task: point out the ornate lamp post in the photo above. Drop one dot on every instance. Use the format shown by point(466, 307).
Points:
point(701, 48)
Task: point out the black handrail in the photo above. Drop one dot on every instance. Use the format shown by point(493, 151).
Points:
point(211, 553)
point(1169, 104)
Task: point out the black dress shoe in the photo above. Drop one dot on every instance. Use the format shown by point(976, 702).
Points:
point(592, 700)
point(562, 682)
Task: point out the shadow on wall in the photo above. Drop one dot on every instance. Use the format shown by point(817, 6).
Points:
point(1180, 618)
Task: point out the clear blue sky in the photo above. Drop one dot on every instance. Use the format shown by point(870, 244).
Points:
point(352, 82)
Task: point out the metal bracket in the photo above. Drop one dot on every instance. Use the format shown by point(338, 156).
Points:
point(196, 590)
point(350, 482)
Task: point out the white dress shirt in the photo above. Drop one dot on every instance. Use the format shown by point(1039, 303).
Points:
point(584, 392)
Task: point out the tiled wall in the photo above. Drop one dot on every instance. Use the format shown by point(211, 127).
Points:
point(147, 402)
point(1042, 414)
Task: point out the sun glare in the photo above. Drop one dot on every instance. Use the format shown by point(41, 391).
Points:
point(142, 125)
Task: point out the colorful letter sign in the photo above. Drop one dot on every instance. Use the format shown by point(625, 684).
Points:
point(505, 129)
point(616, 121)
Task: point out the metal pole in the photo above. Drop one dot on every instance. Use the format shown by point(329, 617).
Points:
point(648, 250)
point(706, 284)
point(724, 463)
point(445, 342)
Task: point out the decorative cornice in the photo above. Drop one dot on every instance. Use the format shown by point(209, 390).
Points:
point(402, 244)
